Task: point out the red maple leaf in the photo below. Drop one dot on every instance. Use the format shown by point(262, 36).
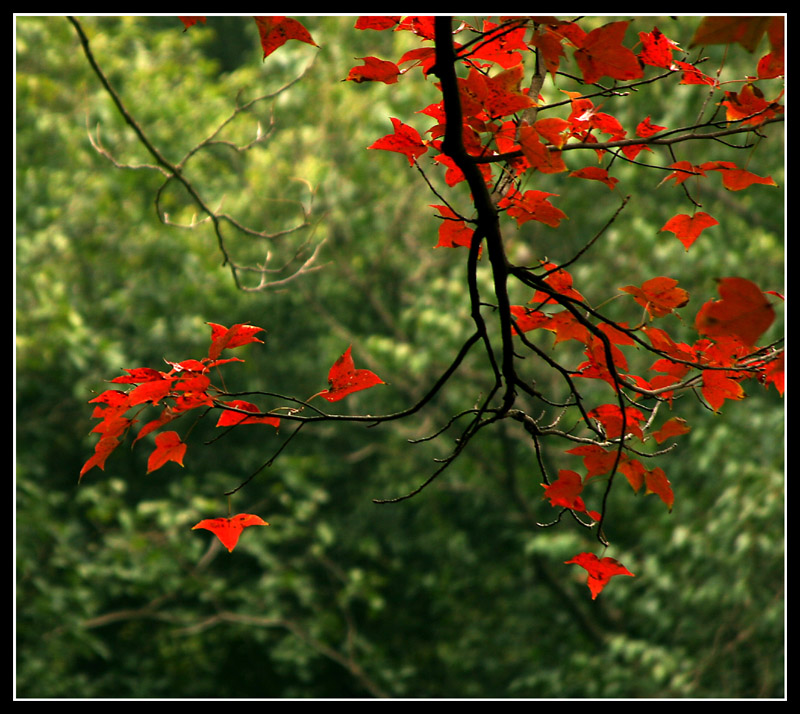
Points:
point(659, 296)
point(377, 22)
point(276, 31)
point(601, 54)
point(374, 70)
point(228, 530)
point(734, 178)
point(600, 571)
point(232, 418)
point(742, 313)
point(565, 491)
point(688, 228)
point(169, 447)
point(532, 206)
point(405, 140)
point(228, 338)
point(453, 231)
point(344, 379)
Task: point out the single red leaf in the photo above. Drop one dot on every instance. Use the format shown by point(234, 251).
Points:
point(659, 296)
point(405, 140)
point(228, 530)
point(378, 22)
point(232, 418)
point(672, 427)
point(657, 49)
point(656, 482)
point(565, 492)
point(453, 231)
point(743, 312)
point(539, 156)
point(169, 447)
point(718, 385)
point(374, 70)
point(610, 416)
point(344, 378)
point(687, 228)
point(595, 173)
point(532, 206)
point(276, 31)
point(526, 319)
point(102, 450)
point(601, 54)
point(734, 178)
point(722, 30)
point(600, 571)
point(228, 338)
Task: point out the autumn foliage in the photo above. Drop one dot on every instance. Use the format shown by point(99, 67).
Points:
point(490, 136)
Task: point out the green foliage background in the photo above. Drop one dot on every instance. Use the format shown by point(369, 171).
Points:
point(455, 593)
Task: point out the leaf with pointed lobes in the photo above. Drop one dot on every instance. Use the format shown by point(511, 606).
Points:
point(405, 140)
point(232, 418)
point(228, 530)
point(228, 338)
point(276, 31)
point(601, 54)
point(374, 70)
point(344, 379)
point(743, 312)
point(169, 447)
point(688, 228)
point(565, 492)
point(600, 571)
point(659, 296)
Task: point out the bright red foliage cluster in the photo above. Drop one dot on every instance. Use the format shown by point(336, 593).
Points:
point(501, 133)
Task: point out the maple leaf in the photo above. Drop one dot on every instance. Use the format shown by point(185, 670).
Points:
point(276, 31)
point(169, 447)
point(749, 106)
point(595, 173)
point(687, 229)
point(743, 312)
point(719, 386)
point(532, 206)
point(672, 427)
point(526, 319)
point(601, 54)
point(734, 178)
point(102, 450)
point(610, 416)
point(228, 530)
point(692, 75)
point(600, 571)
point(378, 22)
point(344, 379)
point(657, 49)
point(405, 140)
point(656, 482)
point(453, 231)
point(538, 154)
point(659, 296)
point(229, 338)
point(232, 418)
point(721, 30)
point(374, 70)
point(504, 49)
point(565, 491)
